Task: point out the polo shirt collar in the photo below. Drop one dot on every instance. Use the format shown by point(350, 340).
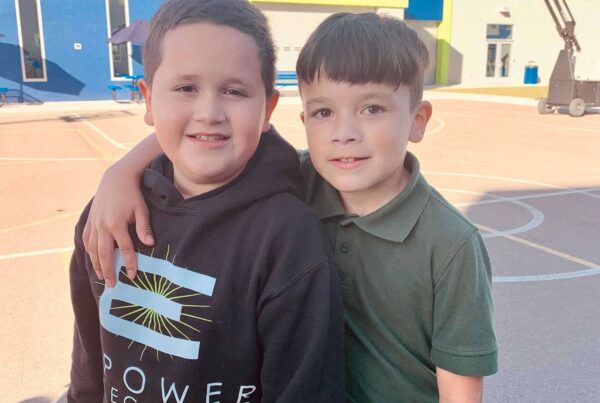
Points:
point(392, 222)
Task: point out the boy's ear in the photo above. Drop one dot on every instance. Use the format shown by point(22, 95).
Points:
point(302, 116)
point(147, 93)
point(271, 104)
point(422, 113)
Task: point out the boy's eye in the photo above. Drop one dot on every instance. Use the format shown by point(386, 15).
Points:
point(373, 109)
point(185, 88)
point(235, 92)
point(322, 113)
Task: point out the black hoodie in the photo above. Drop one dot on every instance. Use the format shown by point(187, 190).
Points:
point(237, 302)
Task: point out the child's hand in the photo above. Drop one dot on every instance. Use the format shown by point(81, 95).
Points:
point(118, 202)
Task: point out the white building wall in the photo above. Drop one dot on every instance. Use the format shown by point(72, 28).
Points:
point(534, 39)
point(291, 26)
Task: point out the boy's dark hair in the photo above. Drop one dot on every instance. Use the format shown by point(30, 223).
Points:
point(237, 14)
point(363, 48)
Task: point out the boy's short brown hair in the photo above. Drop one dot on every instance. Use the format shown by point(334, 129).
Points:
point(362, 48)
point(237, 14)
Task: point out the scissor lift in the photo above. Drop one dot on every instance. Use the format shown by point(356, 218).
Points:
point(564, 89)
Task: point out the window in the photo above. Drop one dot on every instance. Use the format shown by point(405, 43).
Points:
point(118, 17)
point(496, 31)
point(498, 56)
point(31, 40)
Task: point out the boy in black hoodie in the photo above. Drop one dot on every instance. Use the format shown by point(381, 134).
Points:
point(238, 299)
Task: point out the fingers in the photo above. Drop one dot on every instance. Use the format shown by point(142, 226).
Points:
point(127, 250)
point(104, 254)
point(142, 225)
point(87, 230)
point(91, 247)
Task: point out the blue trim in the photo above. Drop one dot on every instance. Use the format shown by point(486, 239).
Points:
point(424, 10)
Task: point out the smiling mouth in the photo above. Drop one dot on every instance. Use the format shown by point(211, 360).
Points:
point(349, 160)
point(209, 138)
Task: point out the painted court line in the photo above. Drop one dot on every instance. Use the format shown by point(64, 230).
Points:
point(565, 128)
point(525, 197)
point(35, 253)
point(503, 165)
point(537, 218)
point(506, 179)
point(441, 126)
point(93, 144)
point(55, 159)
point(39, 222)
point(593, 267)
point(102, 134)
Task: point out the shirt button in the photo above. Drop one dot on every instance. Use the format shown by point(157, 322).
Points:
point(345, 247)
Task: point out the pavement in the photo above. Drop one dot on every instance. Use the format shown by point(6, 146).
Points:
point(530, 182)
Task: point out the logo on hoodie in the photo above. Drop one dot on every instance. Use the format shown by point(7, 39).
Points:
point(152, 310)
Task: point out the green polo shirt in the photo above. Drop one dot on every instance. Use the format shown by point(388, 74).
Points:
point(416, 282)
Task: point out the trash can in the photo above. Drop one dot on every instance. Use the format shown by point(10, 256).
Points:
point(531, 73)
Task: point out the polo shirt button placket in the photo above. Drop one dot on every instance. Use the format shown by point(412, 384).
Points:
point(344, 247)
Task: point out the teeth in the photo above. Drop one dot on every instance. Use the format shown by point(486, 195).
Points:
point(347, 160)
point(210, 139)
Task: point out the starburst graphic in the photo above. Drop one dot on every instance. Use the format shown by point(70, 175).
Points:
point(158, 284)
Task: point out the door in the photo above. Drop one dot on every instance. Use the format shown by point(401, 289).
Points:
point(498, 55)
point(498, 60)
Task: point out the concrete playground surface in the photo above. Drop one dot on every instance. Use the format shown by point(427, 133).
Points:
point(530, 182)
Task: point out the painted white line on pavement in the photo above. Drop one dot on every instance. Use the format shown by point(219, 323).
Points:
point(593, 267)
point(35, 253)
point(506, 179)
point(525, 197)
point(537, 218)
point(441, 126)
point(104, 135)
point(566, 128)
point(547, 277)
point(57, 159)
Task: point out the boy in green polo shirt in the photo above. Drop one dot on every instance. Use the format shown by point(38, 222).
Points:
point(414, 271)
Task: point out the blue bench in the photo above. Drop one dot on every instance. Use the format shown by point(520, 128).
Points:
point(114, 89)
point(286, 79)
point(135, 91)
point(3, 96)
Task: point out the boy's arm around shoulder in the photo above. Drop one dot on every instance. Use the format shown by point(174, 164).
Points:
point(87, 384)
point(301, 322)
point(455, 388)
point(463, 340)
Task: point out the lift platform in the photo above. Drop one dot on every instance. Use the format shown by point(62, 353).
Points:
point(565, 89)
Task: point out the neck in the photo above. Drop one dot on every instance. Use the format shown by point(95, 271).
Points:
point(368, 201)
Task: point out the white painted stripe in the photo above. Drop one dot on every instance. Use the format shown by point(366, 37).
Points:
point(536, 220)
point(506, 179)
point(523, 122)
point(547, 277)
point(57, 159)
point(102, 134)
point(441, 126)
point(503, 165)
point(35, 253)
point(525, 197)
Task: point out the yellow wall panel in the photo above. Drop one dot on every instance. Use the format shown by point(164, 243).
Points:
point(360, 3)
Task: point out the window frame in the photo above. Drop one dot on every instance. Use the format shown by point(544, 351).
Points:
point(110, 45)
point(42, 43)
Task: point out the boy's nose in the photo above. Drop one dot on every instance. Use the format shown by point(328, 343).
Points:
point(345, 133)
point(208, 109)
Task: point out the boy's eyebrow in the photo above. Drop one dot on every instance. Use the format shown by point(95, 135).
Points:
point(192, 77)
point(377, 94)
point(372, 94)
point(317, 100)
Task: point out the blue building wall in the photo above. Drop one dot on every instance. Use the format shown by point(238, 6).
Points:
point(424, 10)
point(72, 74)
